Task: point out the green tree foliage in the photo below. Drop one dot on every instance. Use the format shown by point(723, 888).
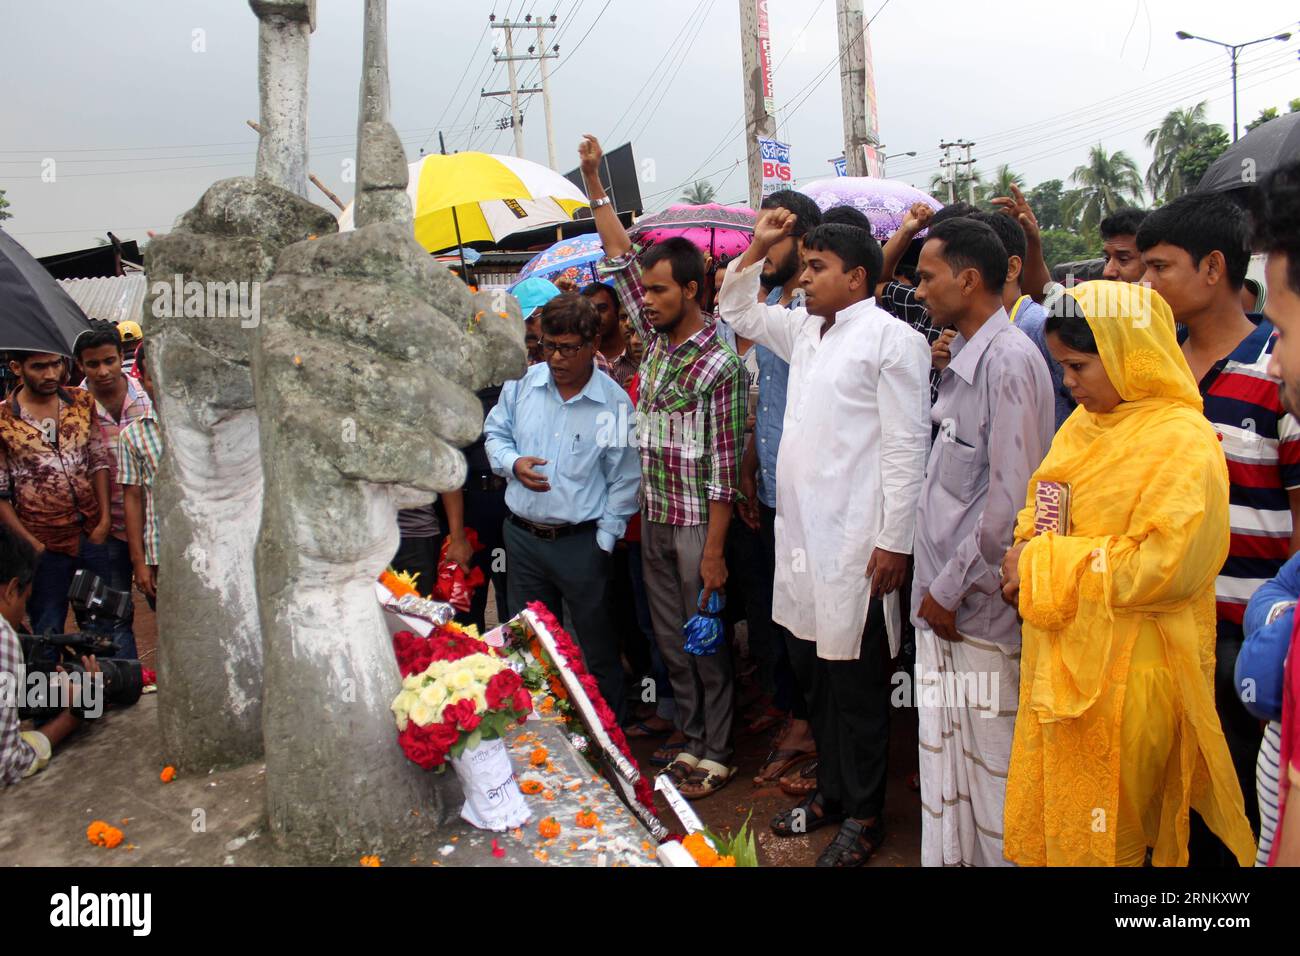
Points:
point(1181, 131)
point(699, 194)
point(1067, 245)
point(1264, 116)
point(1106, 182)
point(1001, 183)
point(4, 207)
point(1197, 156)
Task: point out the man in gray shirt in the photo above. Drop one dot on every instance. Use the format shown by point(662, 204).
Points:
point(994, 414)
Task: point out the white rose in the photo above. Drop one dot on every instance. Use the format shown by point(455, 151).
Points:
point(433, 695)
point(422, 713)
point(461, 679)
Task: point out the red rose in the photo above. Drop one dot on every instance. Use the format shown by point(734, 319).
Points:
point(443, 735)
point(501, 687)
point(522, 701)
point(426, 746)
point(413, 653)
point(462, 714)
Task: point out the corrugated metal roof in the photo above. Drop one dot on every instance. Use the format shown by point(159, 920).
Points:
point(112, 298)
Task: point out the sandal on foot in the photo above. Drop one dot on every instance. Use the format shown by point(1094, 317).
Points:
point(781, 762)
point(708, 778)
point(667, 753)
point(853, 845)
point(809, 815)
point(765, 719)
point(803, 783)
point(681, 768)
point(642, 729)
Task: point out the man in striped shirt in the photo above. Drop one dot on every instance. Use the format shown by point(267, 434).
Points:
point(690, 424)
point(1196, 251)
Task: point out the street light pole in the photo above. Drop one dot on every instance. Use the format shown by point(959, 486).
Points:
point(1233, 49)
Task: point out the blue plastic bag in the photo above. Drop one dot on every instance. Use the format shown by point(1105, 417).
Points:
point(704, 630)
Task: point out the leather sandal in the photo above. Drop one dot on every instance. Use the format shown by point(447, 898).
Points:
point(681, 768)
point(707, 779)
point(853, 845)
point(804, 818)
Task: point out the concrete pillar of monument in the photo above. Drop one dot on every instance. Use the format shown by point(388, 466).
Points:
point(364, 371)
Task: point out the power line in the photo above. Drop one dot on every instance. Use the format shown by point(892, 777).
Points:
point(560, 65)
point(659, 63)
point(683, 54)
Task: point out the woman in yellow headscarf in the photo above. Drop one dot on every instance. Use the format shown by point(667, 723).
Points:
point(1117, 735)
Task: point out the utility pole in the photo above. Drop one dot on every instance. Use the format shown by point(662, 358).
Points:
point(859, 125)
point(546, 85)
point(510, 59)
point(760, 102)
point(950, 168)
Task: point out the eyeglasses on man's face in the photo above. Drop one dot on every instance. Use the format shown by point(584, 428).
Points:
point(567, 349)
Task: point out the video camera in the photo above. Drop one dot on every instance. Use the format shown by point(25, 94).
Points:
point(100, 609)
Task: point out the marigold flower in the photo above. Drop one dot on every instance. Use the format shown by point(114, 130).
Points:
point(168, 774)
point(101, 834)
point(370, 861)
point(538, 756)
point(726, 861)
point(700, 850)
point(530, 787)
point(587, 819)
point(548, 829)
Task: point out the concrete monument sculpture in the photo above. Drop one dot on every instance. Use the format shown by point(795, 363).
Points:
point(364, 370)
point(209, 491)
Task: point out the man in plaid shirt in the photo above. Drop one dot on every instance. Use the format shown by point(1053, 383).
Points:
point(690, 422)
point(139, 450)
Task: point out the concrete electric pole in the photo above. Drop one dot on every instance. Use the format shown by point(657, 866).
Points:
point(516, 122)
point(858, 130)
point(760, 103)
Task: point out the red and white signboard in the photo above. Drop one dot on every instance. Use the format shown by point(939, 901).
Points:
point(765, 58)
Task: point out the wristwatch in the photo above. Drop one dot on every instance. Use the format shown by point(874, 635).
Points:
point(602, 201)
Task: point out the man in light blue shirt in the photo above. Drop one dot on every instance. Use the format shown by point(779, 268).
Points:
point(563, 437)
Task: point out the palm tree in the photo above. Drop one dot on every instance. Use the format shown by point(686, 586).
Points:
point(1000, 185)
point(1177, 131)
point(699, 193)
point(1108, 181)
point(961, 186)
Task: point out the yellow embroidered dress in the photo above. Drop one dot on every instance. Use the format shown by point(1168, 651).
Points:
point(1117, 733)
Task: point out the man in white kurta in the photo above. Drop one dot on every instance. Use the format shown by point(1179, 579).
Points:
point(849, 470)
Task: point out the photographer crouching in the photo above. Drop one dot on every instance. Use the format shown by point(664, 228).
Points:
point(25, 752)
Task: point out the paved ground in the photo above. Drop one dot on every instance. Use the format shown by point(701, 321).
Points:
point(112, 775)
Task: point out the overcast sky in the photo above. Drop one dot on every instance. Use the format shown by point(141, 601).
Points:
point(140, 113)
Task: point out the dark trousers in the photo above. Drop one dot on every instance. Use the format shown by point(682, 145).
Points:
point(1244, 735)
point(848, 704)
point(485, 512)
point(574, 570)
point(420, 556)
point(768, 635)
point(47, 608)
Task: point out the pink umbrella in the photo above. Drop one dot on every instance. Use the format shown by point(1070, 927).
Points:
point(715, 229)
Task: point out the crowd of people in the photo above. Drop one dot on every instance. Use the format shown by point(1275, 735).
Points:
point(1069, 514)
point(1070, 509)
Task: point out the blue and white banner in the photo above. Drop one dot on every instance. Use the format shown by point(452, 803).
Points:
point(776, 165)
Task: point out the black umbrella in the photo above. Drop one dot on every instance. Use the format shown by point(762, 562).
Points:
point(36, 315)
point(1254, 156)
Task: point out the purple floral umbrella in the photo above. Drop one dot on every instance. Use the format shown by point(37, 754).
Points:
point(884, 201)
point(715, 229)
